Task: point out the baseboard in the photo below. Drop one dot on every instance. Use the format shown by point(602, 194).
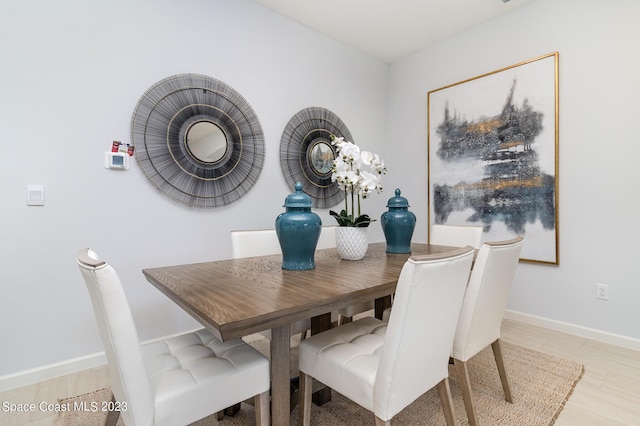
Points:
point(576, 330)
point(51, 371)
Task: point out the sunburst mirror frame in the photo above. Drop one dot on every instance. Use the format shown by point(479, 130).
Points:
point(306, 154)
point(159, 128)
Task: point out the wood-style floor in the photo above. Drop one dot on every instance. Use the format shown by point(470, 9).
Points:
point(608, 394)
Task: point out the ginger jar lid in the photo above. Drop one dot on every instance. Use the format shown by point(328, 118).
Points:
point(398, 201)
point(298, 199)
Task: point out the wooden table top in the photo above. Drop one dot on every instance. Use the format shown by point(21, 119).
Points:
point(238, 297)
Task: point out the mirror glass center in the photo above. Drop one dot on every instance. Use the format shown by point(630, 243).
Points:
point(206, 142)
point(321, 157)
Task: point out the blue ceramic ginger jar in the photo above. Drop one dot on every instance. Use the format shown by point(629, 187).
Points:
point(298, 230)
point(398, 224)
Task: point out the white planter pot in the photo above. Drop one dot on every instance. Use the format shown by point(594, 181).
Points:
point(352, 243)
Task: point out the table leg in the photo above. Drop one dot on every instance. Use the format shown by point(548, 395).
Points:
point(382, 304)
point(280, 372)
point(319, 324)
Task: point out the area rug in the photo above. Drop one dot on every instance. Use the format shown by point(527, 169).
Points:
point(540, 384)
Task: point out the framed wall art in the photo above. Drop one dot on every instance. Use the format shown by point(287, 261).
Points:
point(493, 155)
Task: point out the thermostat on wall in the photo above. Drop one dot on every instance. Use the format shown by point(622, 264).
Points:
point(116, 160)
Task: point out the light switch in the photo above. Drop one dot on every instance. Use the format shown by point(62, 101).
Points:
point(35, 195)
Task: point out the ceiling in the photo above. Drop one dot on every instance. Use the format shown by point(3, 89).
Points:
point(390, 29)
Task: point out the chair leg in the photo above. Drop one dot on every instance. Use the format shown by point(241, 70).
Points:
point(497, 353)
point(263, 412)
point(465, 388)
point(342, 320)
point(112, 418)
point(232, 411)
point(112, 415)
point(304, 407)
point(380, 422)
point(447, 401)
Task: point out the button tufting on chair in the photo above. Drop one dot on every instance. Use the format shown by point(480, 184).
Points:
point(174, 381)
point(384, 367)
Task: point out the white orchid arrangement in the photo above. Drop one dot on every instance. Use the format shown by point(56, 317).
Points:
point(347, 171)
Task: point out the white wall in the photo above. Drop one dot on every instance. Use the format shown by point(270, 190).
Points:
point(599, 147)
point(72, 72)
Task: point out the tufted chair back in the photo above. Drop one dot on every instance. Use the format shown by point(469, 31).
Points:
point(420, 330)
point(327, 238)
point(263, 242)
point(456, 235)
point(250, 243)
point(129, 378)
point(481, 315)
point(486, 297)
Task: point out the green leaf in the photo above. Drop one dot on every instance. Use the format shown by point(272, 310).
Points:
point(343, 219)
point(363, 221)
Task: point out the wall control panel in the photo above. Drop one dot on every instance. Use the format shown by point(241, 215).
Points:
point(116, 160)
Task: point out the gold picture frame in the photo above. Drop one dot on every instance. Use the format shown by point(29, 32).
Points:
point(493, 155)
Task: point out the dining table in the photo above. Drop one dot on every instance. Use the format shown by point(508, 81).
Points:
point(238, 297)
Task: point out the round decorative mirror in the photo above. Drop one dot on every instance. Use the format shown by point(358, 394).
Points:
point(205, 142)
point(197, 140)
point(306, 154)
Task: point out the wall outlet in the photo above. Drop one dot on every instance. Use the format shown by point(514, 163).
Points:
point(602, 291)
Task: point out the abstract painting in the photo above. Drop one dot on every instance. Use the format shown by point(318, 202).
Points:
point(493, 155)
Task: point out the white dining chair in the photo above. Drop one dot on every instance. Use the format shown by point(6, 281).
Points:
point(453, 236)
point(264, 242)
point(481, 314)
point(174, 381)
point(384, 367)
point(456, 235)
point(255, 242)
point(327, 238)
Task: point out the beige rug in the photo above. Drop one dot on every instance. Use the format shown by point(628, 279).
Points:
point(540, 384)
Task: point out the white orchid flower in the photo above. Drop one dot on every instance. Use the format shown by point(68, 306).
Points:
point(378, 165)
point(351, 178)
point(350, 153)
point(339, 165)
point(348, 180)
point(367, 157)
point(338, 142)
point(369, 183)
point(347, 172)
